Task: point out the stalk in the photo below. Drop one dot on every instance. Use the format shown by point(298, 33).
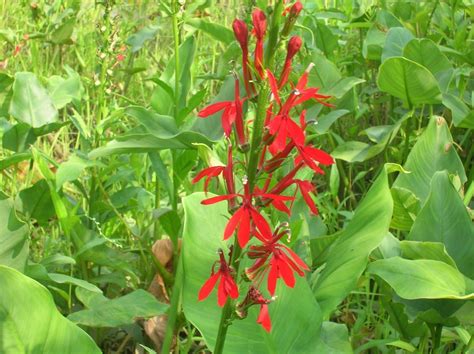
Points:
point(256, 143)
point(273, 34)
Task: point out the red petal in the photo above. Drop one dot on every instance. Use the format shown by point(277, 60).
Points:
point(319, 155)
point(264, 318)
point(272, 277)
point(295, 132)
point(296, 258)
point(221, 292)
point(213, 108)
point(243, 235)
point(261, 224)
point(208, 286)
point(212, 171)
point(281, 206)
point(231, 287)
point(232, 223)
point(218, 199)
point(286, 273)
point(273, 86)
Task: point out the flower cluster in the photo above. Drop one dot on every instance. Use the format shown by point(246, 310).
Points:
point(281, 141)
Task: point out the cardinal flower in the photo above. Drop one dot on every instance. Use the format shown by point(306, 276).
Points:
point(277, 260)
point(294, 45)
point(232, 112)
point(255, 297)
point(227, 286)
point(247, 219)
point(241, 33)
point(259, 28)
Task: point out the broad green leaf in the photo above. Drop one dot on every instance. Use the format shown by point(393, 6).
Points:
point(462, 115)
point(66, 279)
point(349, 254)
point(325, 39)
point(138, 143)
point(18, 137)
point(30, 101)
point(376, 36)
point(31, 322)
point(405, 208)
point(409, 81)
point(334, 339)
point(203, 230)
point(426, 250)
point(445, 219)
point(103, 312)
point(13, 238)
point(425, 52)
point(218, 32)
point(324, 123)
point(397, 38)
point(433, 279)
point(71, 170)
point(138, 39)
point(62, 34)
point(35, 202)
point(434, 151)
point(65, 90)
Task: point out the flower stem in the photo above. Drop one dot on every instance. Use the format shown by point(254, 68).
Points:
point(257, 134)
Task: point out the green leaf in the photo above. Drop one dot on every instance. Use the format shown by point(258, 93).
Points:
point(35, 202)
point(462, 115)
point(31, 322)
point(71, 170)
point(334, 339)
point(425, 52)
point(409, 81)
point(426, 250)
point(397, 38)
point(215, 30)
point(13, 238)
point(18, 137)
point(445, 219)
point(433, 151)
point(65, 90)
point(66, 279)
point(433, 279)
point(349, 253)
point(202, 238)
point(405, 208)
point(14, 159)
point(325, 122)
point(30, 101)
point(138, 39)
point(124, 310)
point(62, 34)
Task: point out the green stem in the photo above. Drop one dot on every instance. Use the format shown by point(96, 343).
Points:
point(255, 146)
point(173, 309)
point(273, 34)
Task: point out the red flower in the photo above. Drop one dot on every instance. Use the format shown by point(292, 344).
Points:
point(209, 173)
point(255, 297)
point(294, 45)
point(276, 259)
point(227, 286)
point(241, 33)
point(232, 112)
point(306, 187)
point(259, 28)
point(247, 219)
point(283, 127)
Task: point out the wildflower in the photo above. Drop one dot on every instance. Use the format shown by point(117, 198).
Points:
point(247, 218)
point(259, 28)
point(255, 297)
point(227, 286)
point(276, 259)
point(294, 45)
point(241, 34)
point(232, 111)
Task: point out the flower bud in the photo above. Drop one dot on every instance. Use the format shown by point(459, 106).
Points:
point(241, 33)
